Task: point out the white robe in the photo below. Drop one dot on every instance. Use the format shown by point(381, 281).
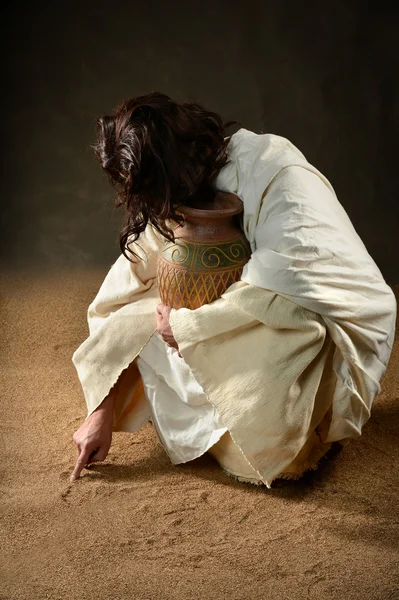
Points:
point(305, 253)
point(305, 248)
point(186, 422)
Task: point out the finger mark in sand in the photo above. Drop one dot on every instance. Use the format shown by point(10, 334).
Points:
point(66, 345)
point(126, 543)
point(315, 582)
point(65, 493)
point(177, 510)
point(150, 541)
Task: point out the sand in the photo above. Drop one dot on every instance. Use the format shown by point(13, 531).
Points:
point(137, 527)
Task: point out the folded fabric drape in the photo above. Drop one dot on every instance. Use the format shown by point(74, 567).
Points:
point(308, 329)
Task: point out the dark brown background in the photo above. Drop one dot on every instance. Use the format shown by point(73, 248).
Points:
point(323, 75)
point(136, 527)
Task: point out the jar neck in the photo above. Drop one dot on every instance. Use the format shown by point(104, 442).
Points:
point(212, 230)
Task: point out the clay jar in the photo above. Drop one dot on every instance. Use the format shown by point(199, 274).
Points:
point(208, 255)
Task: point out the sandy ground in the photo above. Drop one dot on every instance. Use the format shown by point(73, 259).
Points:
point(137, 527)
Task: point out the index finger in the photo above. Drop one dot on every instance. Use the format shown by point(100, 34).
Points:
point(80, 463)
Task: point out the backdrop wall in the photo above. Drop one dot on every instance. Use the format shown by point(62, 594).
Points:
point(322, 76)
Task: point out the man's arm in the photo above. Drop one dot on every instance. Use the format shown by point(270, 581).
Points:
point(93, 438)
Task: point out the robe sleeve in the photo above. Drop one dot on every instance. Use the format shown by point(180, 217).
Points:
point(121, 319)
point(249, 350)
point(307, 250)
point(126, 281)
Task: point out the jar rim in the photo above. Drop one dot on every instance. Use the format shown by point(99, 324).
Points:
point(226, 204)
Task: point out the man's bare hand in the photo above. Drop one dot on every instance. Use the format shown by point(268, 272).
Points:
point(163, 326)
point(93, 438)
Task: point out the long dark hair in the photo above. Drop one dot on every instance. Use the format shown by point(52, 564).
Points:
point(159, 154)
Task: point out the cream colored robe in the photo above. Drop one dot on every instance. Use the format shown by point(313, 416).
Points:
point(308, 331)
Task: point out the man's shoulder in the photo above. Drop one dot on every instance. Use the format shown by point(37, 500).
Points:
point(263, 144)
point(261, 138)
